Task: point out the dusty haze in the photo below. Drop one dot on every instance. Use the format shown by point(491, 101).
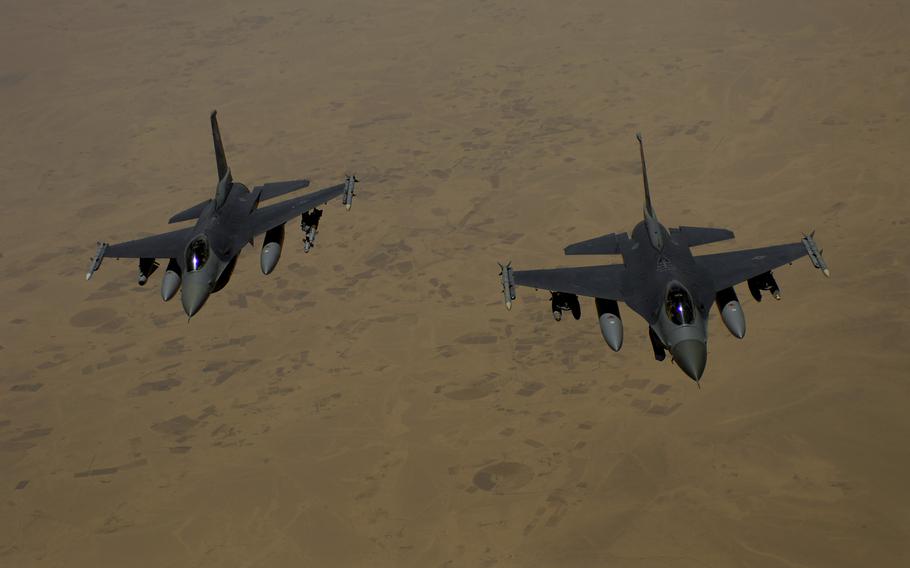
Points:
point(372, 403)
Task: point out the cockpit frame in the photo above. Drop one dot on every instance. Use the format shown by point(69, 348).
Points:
point(197, 253)
point(678, 306)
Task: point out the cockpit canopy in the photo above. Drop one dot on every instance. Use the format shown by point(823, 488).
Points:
point(679, 306)
point(197, 253)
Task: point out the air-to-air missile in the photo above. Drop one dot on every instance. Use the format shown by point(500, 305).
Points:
point(309, 224)
point(815, 255)
point(508, 284)
point(348, 197)
point(95, 262)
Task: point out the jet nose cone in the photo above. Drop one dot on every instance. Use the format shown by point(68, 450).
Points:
point(691, 355)
point(193, 297)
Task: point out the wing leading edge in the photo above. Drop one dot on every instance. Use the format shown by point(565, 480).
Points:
point(266, 218)
point(165, 245)
point(730, 268)
point(594, 281)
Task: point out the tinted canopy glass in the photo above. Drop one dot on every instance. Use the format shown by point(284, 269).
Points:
point(197, 253)
point(679, 306)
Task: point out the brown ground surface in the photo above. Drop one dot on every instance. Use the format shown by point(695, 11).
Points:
point(372, 403)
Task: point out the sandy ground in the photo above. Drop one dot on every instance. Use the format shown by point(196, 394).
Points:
point(372, 403)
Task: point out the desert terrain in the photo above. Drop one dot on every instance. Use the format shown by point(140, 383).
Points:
point(372, 403)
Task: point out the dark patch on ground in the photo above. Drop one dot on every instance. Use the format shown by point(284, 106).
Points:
point(635, 383)
point(477, 339)
point(225, 371)
point(11, 79)
point(110, 470)
point(177, 426)
point(502, 477)
point(93, 317)
point(33, 387)
point(238, 341)
point(32, 434)
point(529, 389)
point(664, 410)
point(154, 386)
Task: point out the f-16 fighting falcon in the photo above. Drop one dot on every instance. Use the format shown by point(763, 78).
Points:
point(202, 257)
point(660, 280)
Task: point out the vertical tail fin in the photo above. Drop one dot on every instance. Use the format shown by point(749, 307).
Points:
point(225, 181)
point(220, 159)
point(649, 209)
point(655, 231)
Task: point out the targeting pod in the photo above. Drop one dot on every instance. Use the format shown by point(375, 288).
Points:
point(95, 262)
point(508, 284)
point(561, 302)
point(309, 224)
point(348, 197)
point(147, 267)
point(815, 255)
point(763, 282)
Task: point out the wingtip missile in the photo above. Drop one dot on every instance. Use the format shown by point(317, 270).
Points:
point(348, 198)
point(507, 280)
point(95, 261)
point(815, 254)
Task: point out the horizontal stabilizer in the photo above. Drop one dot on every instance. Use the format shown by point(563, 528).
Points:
point(278, 188)
point(695, 236)
point(606, 244)
point(193, 212)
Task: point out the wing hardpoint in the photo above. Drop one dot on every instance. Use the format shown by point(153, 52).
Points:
point(165, 245)
point(595, 281)
point(730, 268)
point(270, 217)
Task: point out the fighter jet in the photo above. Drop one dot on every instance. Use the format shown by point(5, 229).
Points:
point(661, 281)
point(202, 257)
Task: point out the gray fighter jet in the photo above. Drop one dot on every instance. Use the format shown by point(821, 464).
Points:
point(664, 283)
point(202, 257)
